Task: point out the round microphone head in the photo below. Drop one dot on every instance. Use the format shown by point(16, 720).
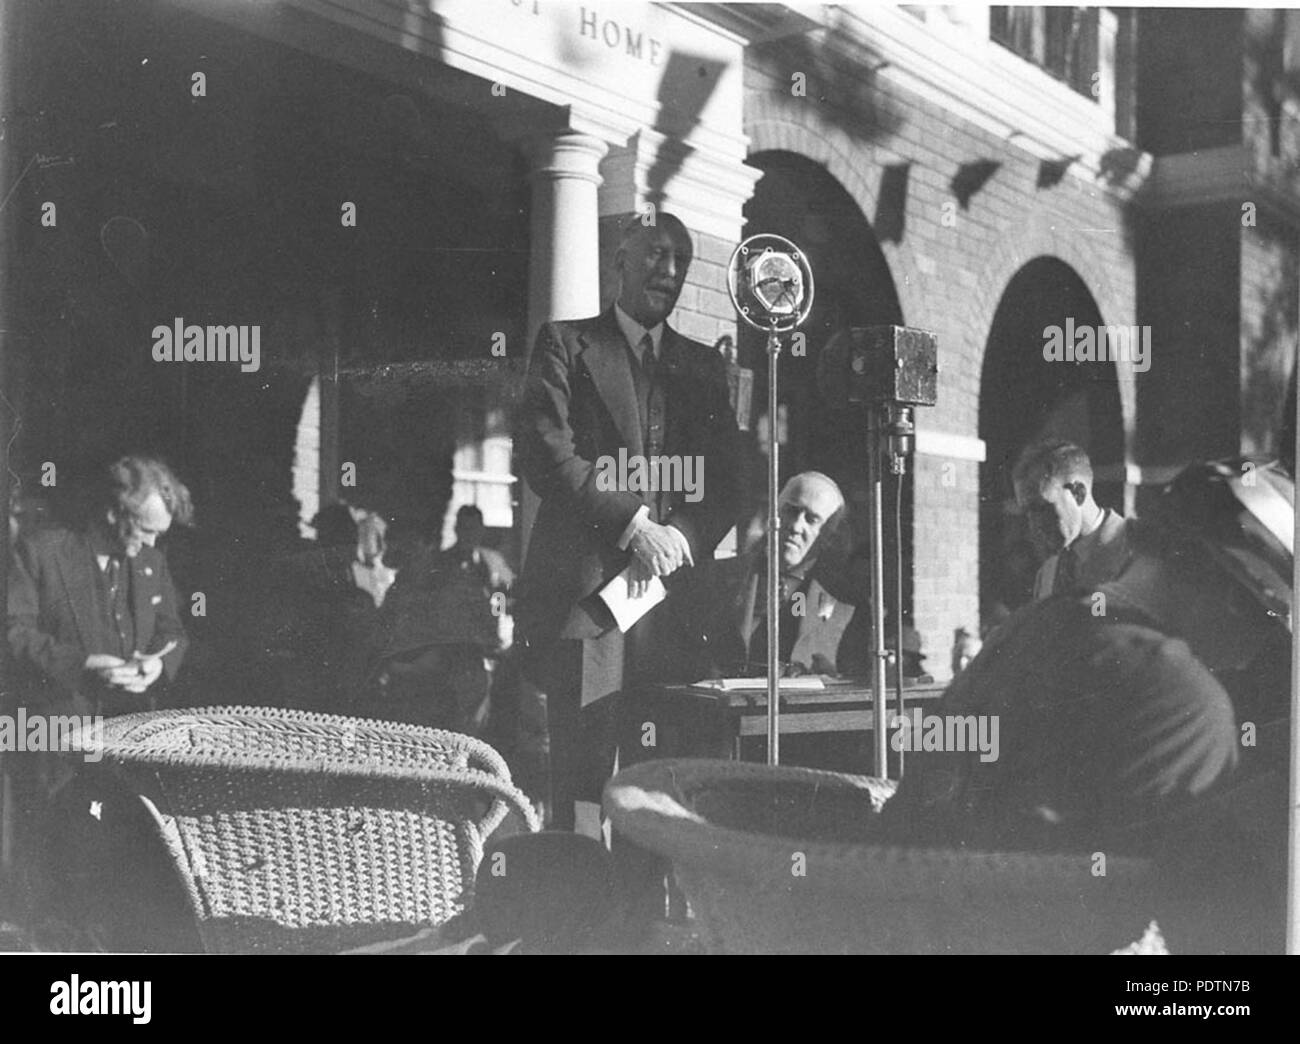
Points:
point(770, 282)
point(776, 282)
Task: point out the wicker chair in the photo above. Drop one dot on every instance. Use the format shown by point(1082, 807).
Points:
point(298, 832)
point(785, 860)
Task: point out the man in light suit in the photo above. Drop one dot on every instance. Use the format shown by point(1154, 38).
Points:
point(622, 380)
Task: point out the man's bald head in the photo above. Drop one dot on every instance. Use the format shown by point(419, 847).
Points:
point(808, 503)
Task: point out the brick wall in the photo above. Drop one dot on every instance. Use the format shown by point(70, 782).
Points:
point(950, 269)
point(1270, 291)
point(1270, 240)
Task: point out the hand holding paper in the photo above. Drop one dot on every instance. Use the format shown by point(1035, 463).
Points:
point(663, 549)
point(629, 597)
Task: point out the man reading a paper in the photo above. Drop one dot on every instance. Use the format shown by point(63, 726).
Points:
point(620, 381)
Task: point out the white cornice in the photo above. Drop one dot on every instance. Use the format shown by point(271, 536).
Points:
point(753, 23)
point(992, 88)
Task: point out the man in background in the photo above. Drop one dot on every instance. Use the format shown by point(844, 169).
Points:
point(93, 629)
point(92, 614)
point(1084, 544)
point(442, 625)
point(471, 554)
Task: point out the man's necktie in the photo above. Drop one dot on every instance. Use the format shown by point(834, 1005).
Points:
point(649, 364)
point(652, 386)
point(1067, 571)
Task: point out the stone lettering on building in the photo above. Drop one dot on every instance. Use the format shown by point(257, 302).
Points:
point(619, 37)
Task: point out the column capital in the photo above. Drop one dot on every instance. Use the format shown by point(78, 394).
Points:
point(565, 154)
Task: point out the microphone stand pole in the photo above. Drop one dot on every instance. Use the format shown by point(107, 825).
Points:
point(769, 277)
point(878, 654)
point(773, 558)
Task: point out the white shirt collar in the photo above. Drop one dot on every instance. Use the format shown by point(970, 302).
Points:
point(1108, 530)
point(634, 331)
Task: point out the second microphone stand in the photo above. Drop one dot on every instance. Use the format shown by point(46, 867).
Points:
point(773, 556)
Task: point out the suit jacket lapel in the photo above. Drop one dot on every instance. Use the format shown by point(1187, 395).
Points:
point(673, 351)
point(811, 622)
point(606, 358)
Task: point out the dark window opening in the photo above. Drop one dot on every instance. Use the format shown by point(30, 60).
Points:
point(1062, 41)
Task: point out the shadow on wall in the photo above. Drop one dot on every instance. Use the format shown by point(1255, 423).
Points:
point(838, 75)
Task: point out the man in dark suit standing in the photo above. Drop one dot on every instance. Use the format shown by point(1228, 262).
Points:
point(92, 612)
point(621, 381)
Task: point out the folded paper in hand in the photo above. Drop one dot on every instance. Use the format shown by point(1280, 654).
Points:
point(626, 609)
point(156, 655)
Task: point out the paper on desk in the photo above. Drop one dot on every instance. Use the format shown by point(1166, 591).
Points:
point(626, 609)
point(801, 683)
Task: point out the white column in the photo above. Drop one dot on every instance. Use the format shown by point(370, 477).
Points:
point(564, 264)
point(564, 269)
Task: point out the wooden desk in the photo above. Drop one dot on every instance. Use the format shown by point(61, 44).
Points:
point(843, 706)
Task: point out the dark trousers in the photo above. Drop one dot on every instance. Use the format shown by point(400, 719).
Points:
point(614, 672)
point(652, 725)
point(583, 740)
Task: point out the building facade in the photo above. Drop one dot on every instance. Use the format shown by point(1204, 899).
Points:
point(992, 174)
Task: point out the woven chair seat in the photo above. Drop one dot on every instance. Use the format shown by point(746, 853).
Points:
point(309, 832)
point(786, 860)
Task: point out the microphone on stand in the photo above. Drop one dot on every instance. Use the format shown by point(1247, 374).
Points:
point(892, 370)
point(771, 285)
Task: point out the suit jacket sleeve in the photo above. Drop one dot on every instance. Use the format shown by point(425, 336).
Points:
point(59, 661)
point(550, 461)
point(706, 521)
point(167, 623)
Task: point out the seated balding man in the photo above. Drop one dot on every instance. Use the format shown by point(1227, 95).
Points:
point(720, 615)
point(714, 624)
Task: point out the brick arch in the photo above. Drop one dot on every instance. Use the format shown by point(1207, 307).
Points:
point(1014, 252)
point(1037, 239)
point(771, 133)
